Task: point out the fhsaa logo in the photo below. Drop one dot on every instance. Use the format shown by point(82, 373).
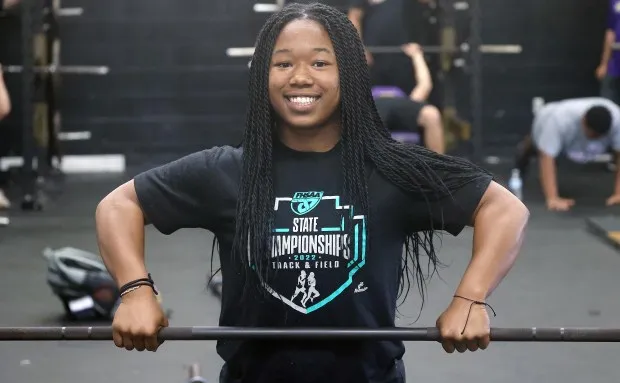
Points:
point(304, 202)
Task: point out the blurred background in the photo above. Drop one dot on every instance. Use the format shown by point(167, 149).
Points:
point(172, 89)
point(155, 82)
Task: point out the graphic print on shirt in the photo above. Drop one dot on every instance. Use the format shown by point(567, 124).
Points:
point(311, 245)
point(587, 150)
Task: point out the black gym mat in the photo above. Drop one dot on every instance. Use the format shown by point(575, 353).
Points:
point(606, 227)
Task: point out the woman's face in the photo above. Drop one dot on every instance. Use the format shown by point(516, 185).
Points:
point(304, 85)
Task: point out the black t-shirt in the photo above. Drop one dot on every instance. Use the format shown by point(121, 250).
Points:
point(391, 22)
point(320, 281)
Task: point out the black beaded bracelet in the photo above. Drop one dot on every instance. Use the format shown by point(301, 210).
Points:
point(130, 286)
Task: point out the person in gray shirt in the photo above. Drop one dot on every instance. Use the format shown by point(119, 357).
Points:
point(580, 129)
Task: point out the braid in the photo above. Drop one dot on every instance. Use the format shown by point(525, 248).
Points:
point(365, 140)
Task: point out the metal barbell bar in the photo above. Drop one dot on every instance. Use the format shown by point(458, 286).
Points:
point(62, 12)
point(276, 7)
point(65, 69)
point(69, 12)
point(463, 48)
point(533, 334)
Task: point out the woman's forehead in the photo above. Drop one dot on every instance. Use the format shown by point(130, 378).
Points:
point(302, 32)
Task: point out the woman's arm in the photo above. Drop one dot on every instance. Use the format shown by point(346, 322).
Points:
point(424, 82)
point(120, 234)
point(185, 193)
point(499, 223)
point(5, 100)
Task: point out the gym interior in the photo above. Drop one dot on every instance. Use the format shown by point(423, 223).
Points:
point(102, 91)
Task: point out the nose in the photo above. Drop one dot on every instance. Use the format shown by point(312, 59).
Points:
point(301, 76)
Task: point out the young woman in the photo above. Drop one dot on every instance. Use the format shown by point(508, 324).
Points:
point(311, 216)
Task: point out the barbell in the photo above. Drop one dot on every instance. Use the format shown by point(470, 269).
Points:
point(65, 69)
point(62, 12)
point(463, 48)
point(533, 334)
point(276, 7)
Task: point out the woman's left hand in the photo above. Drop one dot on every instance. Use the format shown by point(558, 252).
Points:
point(452, 322)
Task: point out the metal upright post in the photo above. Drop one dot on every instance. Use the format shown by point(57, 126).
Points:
point(475, 57)
point(448, 41)
point(29, 200)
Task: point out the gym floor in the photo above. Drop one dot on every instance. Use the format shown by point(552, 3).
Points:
point(564, 278)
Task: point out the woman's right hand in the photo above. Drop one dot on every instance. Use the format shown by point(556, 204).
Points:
point(137, 321)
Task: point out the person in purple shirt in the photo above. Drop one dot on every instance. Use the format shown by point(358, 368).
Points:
point(608, 71)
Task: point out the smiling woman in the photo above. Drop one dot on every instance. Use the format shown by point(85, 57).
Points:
point(311, 215)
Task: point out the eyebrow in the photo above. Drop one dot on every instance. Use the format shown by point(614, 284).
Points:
point(290, 50)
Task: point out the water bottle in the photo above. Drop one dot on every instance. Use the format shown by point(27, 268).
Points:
point(537, 104)
point(194, 374)
point(515, 184)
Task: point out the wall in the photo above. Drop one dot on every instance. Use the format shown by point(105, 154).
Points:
point(172, 90)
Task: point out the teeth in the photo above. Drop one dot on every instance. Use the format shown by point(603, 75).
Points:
point(303, 100)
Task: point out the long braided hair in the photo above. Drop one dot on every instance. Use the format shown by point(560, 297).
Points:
point(414, 169)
